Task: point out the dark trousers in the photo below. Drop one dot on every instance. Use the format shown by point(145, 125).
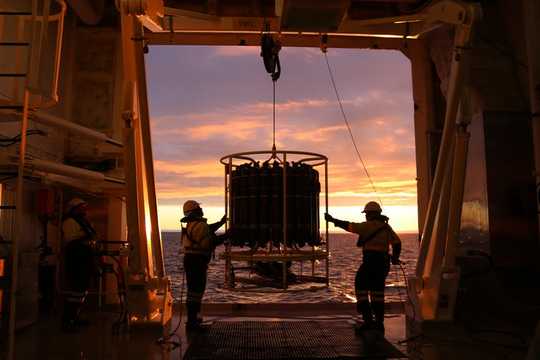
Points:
point(79, 266)
point(196, 268)
point(369, 285)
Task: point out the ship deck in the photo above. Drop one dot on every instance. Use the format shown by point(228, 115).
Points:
point(321, 331)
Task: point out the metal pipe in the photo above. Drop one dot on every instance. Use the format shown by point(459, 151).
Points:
point(62, 169)
point(326, 221)
point(436, 249)
point(285, 219)
point(32, 81)
point(456, 197)
point(228, 189)
point(58, 53)
point(19, 215)
point(138, 257)
point(454, 89)
point(147, 145)
point(58, 122)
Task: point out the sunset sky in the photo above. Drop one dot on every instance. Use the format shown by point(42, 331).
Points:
point(206, 102)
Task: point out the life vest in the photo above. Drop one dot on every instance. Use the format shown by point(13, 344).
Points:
point(196, 237)
point(77, 228)
point(374, 235)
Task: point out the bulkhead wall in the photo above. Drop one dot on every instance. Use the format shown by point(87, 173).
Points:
point(499, 227)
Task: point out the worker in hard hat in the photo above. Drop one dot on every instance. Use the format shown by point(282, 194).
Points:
point(79, 260)
point(375, 236)
point(199, 241)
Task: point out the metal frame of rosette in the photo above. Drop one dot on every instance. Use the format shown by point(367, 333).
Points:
point(282, 253)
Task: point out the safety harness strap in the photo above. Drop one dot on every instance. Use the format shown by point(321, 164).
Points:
point(363, 240)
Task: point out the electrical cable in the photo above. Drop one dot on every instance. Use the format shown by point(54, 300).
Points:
point(349, 128)
point(407, 289)
point(167, 339)
point(6, 142)
point(396, 276)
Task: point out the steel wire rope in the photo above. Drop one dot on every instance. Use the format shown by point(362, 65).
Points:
point(273, 115)
point(345, 119)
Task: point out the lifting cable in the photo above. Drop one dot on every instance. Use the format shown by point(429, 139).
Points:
point(274, 115)
point(270, 53)
point(338, 97)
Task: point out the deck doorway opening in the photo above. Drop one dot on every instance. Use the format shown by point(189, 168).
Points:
point(206, 102)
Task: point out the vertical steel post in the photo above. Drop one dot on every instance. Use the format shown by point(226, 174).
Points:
point(58, 53)
point(147, 147)
point(458, 182)
point(326, 222)
point(19, 214)
point(138, 257)
point(228, 196)
point(285, 219)
point(455, 87)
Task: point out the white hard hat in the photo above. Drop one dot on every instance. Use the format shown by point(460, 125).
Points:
point(73, 203)
point(190, 205)
point(372, 206)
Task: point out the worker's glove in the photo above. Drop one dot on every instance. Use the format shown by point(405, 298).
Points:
point(396, 261)
point(328, 217)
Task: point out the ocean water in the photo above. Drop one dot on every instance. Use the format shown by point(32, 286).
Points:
point(345, 258)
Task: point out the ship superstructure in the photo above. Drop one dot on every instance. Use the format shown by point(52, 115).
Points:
point(74, 119)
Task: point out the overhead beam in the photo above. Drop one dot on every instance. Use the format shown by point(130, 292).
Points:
point(292, 40)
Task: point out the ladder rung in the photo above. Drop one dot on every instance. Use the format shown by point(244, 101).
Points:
point(12, 107)
point(12, 74)
point(7, 207)
point(14, 43)
point(21, 13)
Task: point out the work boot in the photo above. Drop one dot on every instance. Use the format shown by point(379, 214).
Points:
point(193, 320)
point(364, 309)
point(378, 309)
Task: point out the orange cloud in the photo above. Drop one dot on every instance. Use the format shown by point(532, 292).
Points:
point(233, 51)
point(191, 169)
point(240, 128)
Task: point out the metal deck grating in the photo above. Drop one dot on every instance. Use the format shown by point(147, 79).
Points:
point(273, 340)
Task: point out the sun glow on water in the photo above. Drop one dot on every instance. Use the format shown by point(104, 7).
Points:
point(403, 218)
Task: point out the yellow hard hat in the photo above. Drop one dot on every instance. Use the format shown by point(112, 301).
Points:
point(372, 206)
point(190, 206)
point(73, 203)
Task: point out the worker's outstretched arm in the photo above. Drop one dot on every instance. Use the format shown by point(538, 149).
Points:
point(339, 223)
point(215, 226)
